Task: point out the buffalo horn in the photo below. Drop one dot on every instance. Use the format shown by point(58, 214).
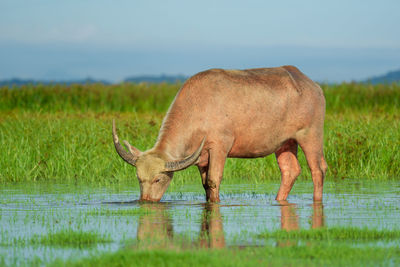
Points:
point(127, 156)
point(186, 162)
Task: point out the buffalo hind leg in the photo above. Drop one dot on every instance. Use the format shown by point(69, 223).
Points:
point(312, 148)
point(289, 166)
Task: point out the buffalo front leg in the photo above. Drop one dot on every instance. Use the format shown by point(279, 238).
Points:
point(289, 166)
point(213, 174)
point(203, 173)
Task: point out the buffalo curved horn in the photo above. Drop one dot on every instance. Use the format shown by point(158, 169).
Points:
point(129, 157)
point(186, 162)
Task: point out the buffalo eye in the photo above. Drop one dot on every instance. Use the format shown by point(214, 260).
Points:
point(157, 180)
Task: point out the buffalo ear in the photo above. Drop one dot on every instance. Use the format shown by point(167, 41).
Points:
point(181, 164)
point(132, 149)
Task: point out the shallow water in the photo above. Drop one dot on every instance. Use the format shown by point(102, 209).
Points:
point(245, 211)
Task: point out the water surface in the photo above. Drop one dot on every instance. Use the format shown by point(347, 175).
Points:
point(245, 211)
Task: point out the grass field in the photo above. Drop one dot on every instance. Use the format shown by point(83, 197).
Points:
point(62, 134)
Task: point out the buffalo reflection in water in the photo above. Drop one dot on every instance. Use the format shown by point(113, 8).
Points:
point(155, 227)
point(212, 231)
point(290, 219)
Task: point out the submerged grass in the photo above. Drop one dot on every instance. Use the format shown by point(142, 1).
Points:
point(69, 238)
point(118, 212)
point(324, 234)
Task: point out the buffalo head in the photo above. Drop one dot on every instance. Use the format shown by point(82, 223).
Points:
point(152, 170)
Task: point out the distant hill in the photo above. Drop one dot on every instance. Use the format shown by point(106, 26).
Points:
point(390, 77)
point(134, 79)
point(19, 82)
point(157, 79)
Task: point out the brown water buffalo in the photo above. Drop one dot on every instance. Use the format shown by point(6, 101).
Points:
point(240, 114)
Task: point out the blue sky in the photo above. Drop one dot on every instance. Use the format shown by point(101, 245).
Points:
point(328, 40)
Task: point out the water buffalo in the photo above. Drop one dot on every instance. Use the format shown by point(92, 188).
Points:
point(240, 114)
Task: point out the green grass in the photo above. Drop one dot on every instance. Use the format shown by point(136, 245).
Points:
point(319, 247)
point(265, 256)
point(326, 234)
point(63, 134)
point(79, 148)
point(126, 97)
point(359, 97)
point(69, 238)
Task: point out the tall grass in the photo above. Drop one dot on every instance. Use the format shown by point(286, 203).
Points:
point(63, 133)
point(125, 97)
point(144, 97)
point(359, 97)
